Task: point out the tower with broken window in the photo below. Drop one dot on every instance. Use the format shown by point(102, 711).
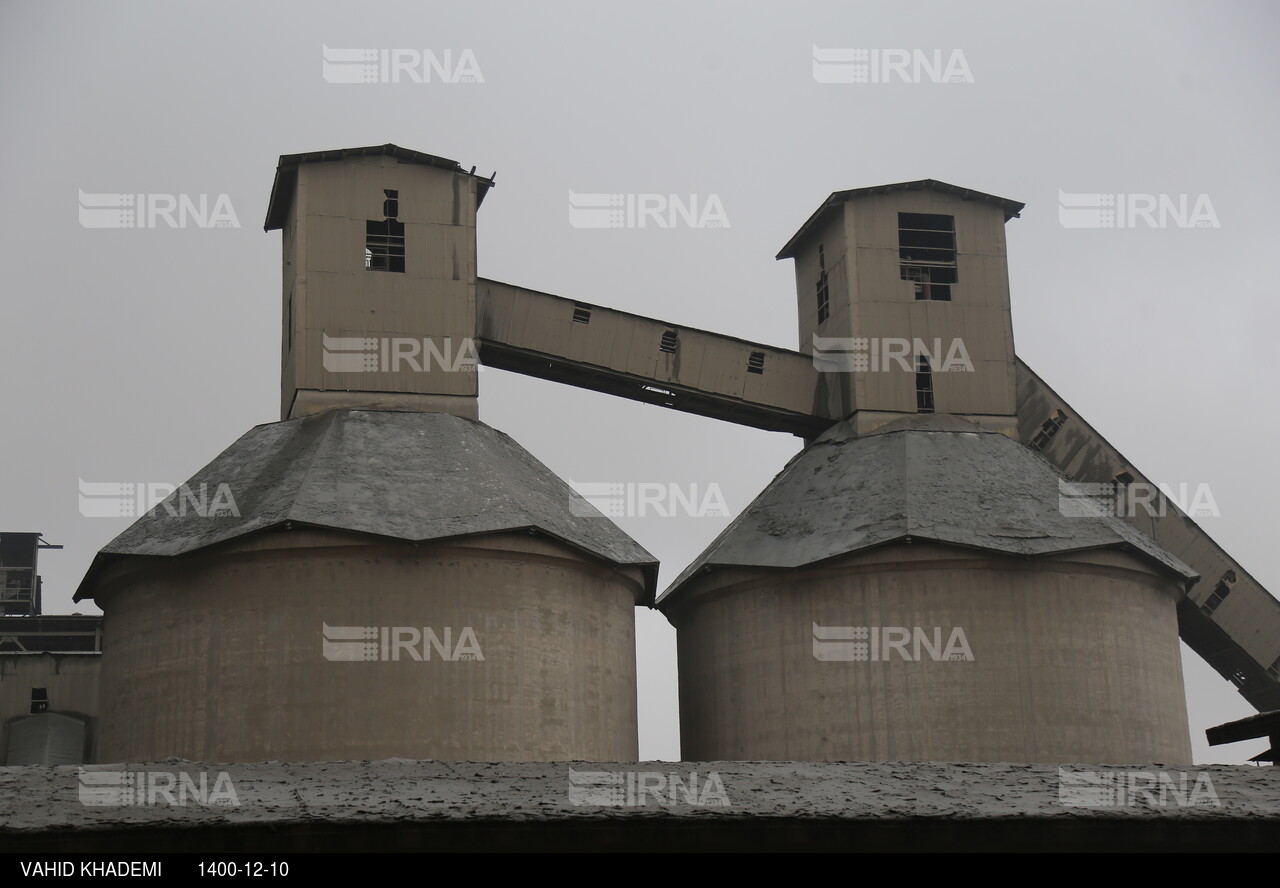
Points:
point(379, 280)
point(907, 287)
point(394, 578)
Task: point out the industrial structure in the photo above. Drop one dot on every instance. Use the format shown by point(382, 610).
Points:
point(20, 585)
point(49, 665)
point(1023, 635)
point(920, 514)
point(488, 608)
point(394, 578)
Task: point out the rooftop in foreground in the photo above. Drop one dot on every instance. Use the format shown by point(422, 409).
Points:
point(426, 805)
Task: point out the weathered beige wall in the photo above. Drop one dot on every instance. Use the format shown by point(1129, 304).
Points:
point(978, 313)
point(624, 343)
point(310, 402)
point(1076, 659)
point(835, 390)
point(71, 680)
point(331, 292)
point(219, 657)
point(870, 300)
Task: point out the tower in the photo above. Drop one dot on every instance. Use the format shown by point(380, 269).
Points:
point(379, 280)
point(379, 574)
point(911, 586)
point(903, 296)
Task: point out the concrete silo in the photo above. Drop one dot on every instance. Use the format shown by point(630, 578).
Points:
point(915, 584)
point(379, 574)
point(918, 594)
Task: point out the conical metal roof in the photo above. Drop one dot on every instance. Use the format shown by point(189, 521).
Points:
point(929, 477)
point(402, 475)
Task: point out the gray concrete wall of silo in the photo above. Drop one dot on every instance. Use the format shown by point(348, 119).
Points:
point(1075, 659)
point(220, 656)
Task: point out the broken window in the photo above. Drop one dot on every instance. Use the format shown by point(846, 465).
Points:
point(39, 700)
point(1220, 592)
point(384, 240)
point(824, 296)
point(924, 385)
point(1048, 429)
point(669, 342)
point(927, 253)
point(755, 362)
point(581, 313)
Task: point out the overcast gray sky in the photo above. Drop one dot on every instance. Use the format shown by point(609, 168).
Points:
point(141, 354)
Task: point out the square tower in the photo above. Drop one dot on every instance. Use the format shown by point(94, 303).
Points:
point(903, 296)
point(379, 274)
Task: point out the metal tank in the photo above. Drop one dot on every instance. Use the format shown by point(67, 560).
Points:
point(47, 738)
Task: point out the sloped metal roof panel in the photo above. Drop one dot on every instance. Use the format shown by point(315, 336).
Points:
point(930, 477)
point(287, 173)
point(1011, 208)
point(402, 475)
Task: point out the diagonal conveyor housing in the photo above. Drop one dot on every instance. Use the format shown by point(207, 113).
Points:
point(766, 387)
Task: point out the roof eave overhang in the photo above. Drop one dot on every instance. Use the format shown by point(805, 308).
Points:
point(287, 174)
point(103, 559)
point(1012, 208)
point(673, 593)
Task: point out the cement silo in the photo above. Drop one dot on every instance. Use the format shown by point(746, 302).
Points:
point(371, 584)
point(379, 574)
point(929, 592)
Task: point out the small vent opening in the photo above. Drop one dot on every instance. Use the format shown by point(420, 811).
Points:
point(1048, 429)
point(1220, 593)
point(924, 385)
point(824, 294)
